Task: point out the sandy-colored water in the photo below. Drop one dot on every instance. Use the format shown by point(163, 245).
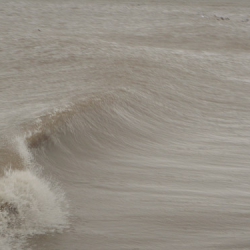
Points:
point(124, 125)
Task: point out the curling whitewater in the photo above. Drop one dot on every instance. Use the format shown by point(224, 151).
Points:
point(30, 204)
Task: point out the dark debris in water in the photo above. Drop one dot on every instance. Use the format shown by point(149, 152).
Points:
point(9, 208)
point(10, 212)
point(222, 18)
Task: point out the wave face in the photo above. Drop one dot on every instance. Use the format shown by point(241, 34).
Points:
point(124, 125)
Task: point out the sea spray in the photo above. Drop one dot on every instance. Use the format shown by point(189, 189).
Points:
point(29, 202)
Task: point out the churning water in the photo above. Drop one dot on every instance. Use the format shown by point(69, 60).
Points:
point(124, 125)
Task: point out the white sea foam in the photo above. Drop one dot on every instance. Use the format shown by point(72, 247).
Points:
point(40, 205)
point(20, 145)
point(29, 203)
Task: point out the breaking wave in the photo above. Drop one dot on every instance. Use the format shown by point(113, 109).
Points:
point(94, 142)
point(30, 202)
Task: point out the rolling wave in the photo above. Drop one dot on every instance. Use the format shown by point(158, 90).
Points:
point(119, 141)
point(30, 203)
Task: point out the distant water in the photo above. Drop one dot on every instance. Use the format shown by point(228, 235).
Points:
point(124, 125)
